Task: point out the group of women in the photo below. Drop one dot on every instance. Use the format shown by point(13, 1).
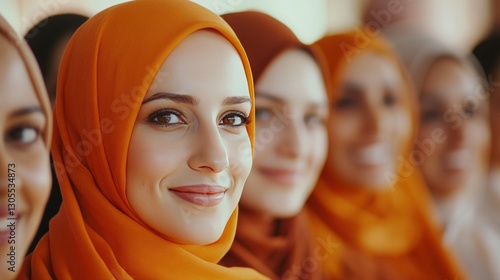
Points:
point(192, 146)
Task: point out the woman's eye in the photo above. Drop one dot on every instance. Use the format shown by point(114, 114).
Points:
point(345, 102)
point(314, 119)
point(263, 114)
point(390, 99)
point(430, 115)
point(234, 119)
point(469, 109)
point(23, 135)
point(166, 118)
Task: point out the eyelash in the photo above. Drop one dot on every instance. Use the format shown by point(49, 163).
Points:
point(153, 118)
point(19, 130)
point(244, 119)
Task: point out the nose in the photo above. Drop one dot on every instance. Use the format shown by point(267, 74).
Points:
point(458, 135)
point(292, 142)
point(374, 122)
point(209, 153)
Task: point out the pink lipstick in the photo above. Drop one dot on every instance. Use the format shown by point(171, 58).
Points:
point(201, 195)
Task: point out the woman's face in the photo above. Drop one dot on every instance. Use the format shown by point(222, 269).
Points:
point(452, 107)
point(291, 140)
point(369, 122)
point(25, 178)
point(190, 153)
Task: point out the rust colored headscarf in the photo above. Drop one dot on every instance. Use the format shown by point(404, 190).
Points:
point(383, 234)
point(34, 74)
point(109, 64)
point(278, 248)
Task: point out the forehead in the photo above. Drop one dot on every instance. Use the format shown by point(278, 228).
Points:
point(372, 68)
point(204, 62)
point(449, 78)
point(294, 75)
point(16, 89)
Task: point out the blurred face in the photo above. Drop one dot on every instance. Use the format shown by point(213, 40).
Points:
point(291, 110)
point(369, 122)
point(25, 178)
point(451, 107)
point(190, 153)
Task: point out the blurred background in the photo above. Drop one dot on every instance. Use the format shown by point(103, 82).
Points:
point(459, 22)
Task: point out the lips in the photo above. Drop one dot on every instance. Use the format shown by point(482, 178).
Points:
point(281, 176)
point(377, 154)
point(5, 221)
point(201, 195)
point(457, 160)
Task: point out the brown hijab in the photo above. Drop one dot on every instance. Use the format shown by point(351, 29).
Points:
point(277, 248)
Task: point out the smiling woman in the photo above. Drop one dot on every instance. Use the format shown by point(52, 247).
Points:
point(150, 190)
point(25, 125)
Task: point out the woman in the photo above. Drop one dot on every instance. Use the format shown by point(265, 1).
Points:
point(453, 103)
point(290, 112)
point(26, 126)
point(370, 200)
point(152, 145)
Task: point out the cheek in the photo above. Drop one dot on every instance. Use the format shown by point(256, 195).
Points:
point(403, 129)
point(318, 142)
point(36, 181)
point(240, 158)
point(481, 141)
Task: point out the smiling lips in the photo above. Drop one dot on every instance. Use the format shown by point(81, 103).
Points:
point(281, 176)
point(201, 195)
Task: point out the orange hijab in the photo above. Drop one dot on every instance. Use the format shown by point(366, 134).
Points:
point(379, 234)
point(107, 68)
point(278, 248)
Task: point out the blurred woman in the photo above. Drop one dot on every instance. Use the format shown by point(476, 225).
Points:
point(152, 146)
point(273, 235)
point(370, 206)
point(26, 126)
point(453, 144)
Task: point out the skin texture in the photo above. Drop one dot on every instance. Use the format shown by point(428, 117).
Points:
point(175, 143)
point(22, 123)
point(451, 105)
point(368, 122)
point(291, 111)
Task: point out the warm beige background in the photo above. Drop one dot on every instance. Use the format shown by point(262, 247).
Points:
point(459, 22)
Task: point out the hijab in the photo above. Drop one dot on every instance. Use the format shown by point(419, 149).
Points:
point(116, 55)
point(278, 248)
point(385, 233)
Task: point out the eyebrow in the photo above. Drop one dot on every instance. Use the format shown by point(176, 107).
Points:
point(26, 111)
point(269, 96)
point(177, 98)
point(188, 99)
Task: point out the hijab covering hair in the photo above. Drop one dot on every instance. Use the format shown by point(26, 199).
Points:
point(385, 233)
point(467, 216)
point(96, 233)
point(34, 74)
point(273, 247)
